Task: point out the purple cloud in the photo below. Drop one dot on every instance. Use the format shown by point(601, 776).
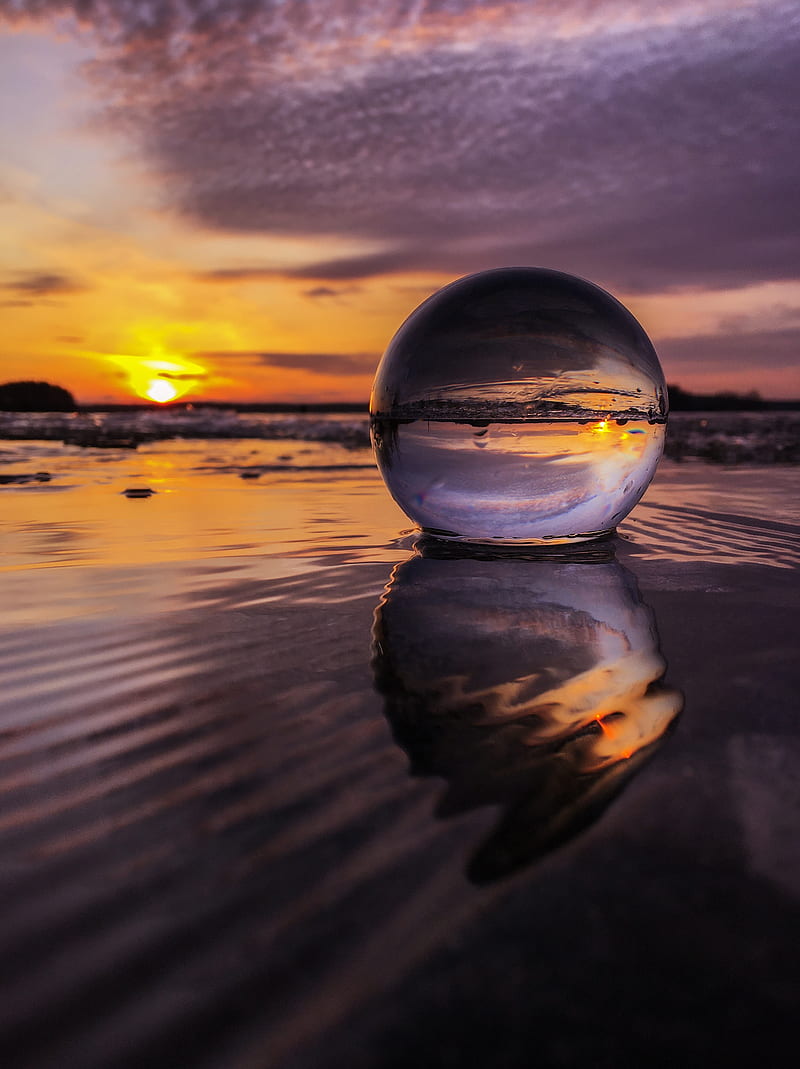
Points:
point(775, 350)
point(317, 293)
point(319, 363)
point(646, 146)
point(42, 284)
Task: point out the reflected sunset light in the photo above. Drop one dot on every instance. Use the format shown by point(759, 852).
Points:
point(533, 686)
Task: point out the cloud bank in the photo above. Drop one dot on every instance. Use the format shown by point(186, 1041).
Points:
point(645, 145)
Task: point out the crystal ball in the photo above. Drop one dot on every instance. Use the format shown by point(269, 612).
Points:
point(519, 405)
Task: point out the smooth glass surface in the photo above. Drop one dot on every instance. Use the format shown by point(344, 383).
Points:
point(519, 405)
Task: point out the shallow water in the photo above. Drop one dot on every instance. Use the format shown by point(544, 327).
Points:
point(214, 853)
point(241, 505)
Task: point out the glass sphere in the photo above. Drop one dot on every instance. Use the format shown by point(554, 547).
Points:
point(519, 405)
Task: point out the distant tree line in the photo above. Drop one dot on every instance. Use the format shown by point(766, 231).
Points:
point(682, 401)
point(44, 397)
point(35, 397)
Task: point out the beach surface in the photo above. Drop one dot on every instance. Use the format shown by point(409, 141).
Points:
point(282, 788)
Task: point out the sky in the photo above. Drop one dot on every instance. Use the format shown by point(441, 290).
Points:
point(244, 199)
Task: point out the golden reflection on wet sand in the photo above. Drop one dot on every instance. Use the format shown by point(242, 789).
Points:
point(205, 523)
point(207, 825)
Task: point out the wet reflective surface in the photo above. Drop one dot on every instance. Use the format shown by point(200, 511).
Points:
point(212, 852)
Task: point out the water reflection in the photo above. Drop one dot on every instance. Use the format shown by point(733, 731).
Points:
point(532, 685)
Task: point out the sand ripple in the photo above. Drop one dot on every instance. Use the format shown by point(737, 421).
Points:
point(676, 533)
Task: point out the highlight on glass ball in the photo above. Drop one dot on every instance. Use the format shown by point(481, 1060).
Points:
point(519, 405)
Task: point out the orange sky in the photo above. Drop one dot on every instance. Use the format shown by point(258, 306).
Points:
point(118, 270)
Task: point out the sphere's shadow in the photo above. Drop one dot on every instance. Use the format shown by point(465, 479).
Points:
point(530, 685)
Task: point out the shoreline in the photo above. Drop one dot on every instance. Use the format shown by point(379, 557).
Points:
point(724, 438)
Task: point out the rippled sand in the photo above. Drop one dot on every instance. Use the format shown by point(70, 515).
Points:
point(213, 852)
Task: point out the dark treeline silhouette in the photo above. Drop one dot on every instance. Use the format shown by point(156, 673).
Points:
point(275, 407)
point(35, 397)
point(681, 400)
point(44, 397)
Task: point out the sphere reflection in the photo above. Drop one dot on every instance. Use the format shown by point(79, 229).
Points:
point(533, 685)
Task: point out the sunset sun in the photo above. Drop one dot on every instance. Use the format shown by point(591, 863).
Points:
point(162, 391)
point(158, 378)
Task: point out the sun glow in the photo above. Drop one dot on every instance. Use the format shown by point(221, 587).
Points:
point(159, 378)
point(162, 391)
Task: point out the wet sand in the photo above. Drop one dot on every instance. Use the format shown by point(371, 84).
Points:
point(279, 791)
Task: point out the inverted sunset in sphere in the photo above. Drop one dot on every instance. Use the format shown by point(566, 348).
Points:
point(519, 405)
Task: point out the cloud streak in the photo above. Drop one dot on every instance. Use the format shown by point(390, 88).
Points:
point(317, 363)
point(42, 284)
point(767, 349)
